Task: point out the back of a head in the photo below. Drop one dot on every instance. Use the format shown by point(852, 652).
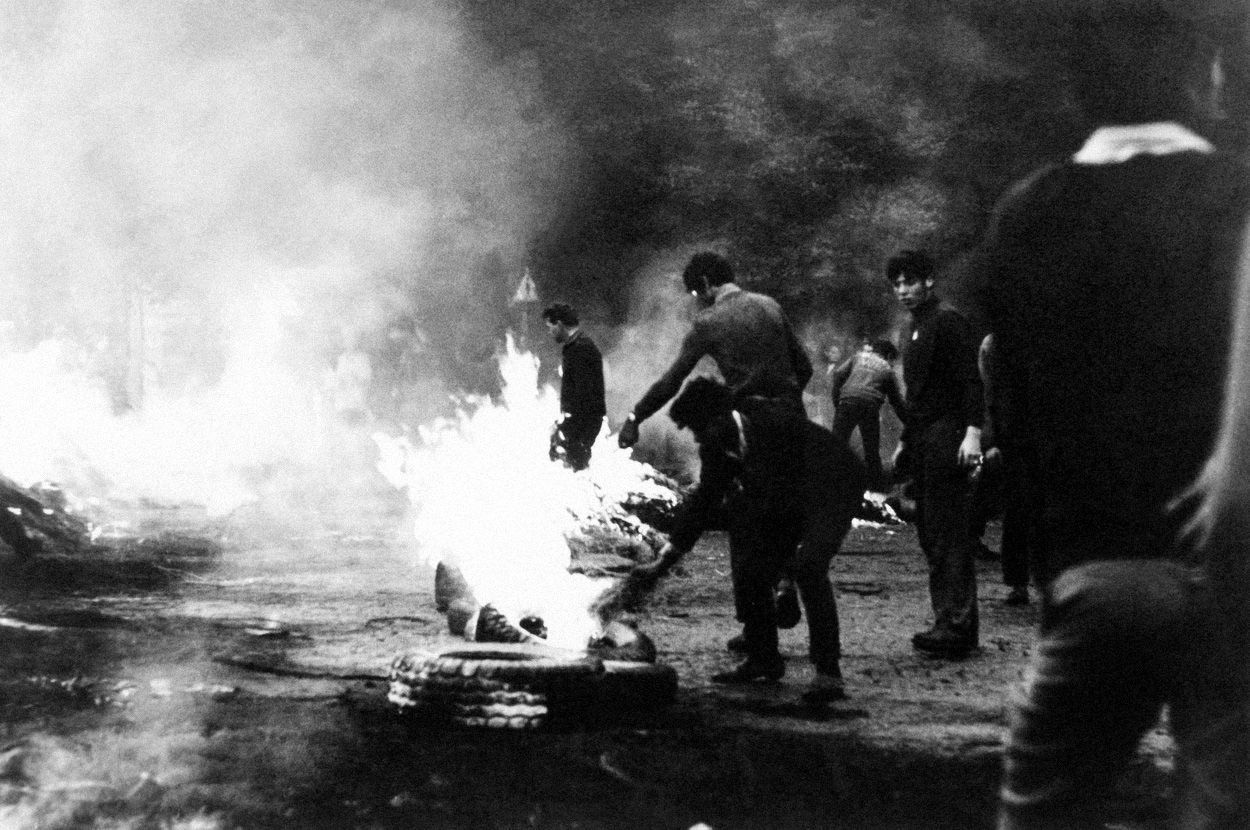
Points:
point(706, 270)
point(699, 402)
point(1138, 61)
point(911, 266)
point(561, 313)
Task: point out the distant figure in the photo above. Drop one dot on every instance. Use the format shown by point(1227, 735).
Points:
point(860, 386)
point(790, 490)
point(582, 406)
point(940, 445)
point(353, 374)
point(1109, 280)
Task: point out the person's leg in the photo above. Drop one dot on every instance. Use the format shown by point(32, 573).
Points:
point(1016, 532)
point(580, 432)
point(1111, 641)
point(951, 553)
point(1210, 718)
point(753, 568)
point(870, 435)
point(822, 538)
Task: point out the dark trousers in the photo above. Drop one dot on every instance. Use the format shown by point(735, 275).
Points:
point(943, 505)
point(1118, 641)
point(768, 535)
point(864, 415)
point(1023, 538)
point(1010, 488)
point(574, 438)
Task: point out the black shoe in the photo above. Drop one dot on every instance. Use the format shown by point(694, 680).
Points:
point(788, 613)
point(922, 635)
point(737, 644)
point(943, 643)
point(1019, 595)
point(752, 670)
point(825, 688)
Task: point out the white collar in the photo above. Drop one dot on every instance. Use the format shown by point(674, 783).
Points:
point(725, 290)
point(1114, 144)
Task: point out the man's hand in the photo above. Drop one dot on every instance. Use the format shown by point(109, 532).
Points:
point(970, 448)
point(629, 432)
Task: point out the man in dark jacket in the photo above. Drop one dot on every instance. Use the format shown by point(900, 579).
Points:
point(1109, 278)
point(790, 490)
point(941, 442)
point(748, 336)
point(582, 406)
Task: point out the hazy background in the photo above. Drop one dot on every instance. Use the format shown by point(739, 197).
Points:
point(206, 203)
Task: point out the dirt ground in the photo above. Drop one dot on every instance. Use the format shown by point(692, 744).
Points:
point(201, 676)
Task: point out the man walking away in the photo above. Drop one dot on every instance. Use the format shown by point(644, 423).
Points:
point(860, 386)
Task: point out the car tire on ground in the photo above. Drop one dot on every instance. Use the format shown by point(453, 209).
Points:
point(517, 686)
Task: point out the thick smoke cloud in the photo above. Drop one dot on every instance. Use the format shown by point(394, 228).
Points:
point(216, 198)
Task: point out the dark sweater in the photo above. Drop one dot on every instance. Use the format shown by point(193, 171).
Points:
point(940, 370)
point(581, 384)
point(1108, 289)
point(787, 459)
point(754, 348)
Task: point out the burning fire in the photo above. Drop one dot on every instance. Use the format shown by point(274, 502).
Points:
point(489, 500)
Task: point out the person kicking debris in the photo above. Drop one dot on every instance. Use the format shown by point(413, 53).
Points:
point(791, 489)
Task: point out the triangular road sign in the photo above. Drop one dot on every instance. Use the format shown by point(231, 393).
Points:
point(526, 292)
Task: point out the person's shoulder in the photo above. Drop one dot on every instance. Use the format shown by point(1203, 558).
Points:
point(587, 343)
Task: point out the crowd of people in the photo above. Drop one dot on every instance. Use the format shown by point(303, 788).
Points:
point(1107, 396)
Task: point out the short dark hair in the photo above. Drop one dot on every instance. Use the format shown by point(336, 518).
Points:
point(699, 402)
point(1134, 61)
point(912, 266)
point(705, 270)
point(884, 348)
point(561, 313)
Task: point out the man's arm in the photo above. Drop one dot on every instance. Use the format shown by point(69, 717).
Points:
point(716, 474)
point(661, 392)
point(964, 348)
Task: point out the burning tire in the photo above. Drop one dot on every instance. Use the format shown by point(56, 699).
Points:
point(496, 687)
point(518, 687)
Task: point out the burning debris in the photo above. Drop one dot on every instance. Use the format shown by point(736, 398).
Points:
point(37, 519)
point(523, 549)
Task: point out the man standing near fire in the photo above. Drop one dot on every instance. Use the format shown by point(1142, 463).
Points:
point(582, 406)
point(940, 444)
point(754, 347)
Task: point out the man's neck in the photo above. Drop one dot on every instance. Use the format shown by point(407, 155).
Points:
point(925, 308)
